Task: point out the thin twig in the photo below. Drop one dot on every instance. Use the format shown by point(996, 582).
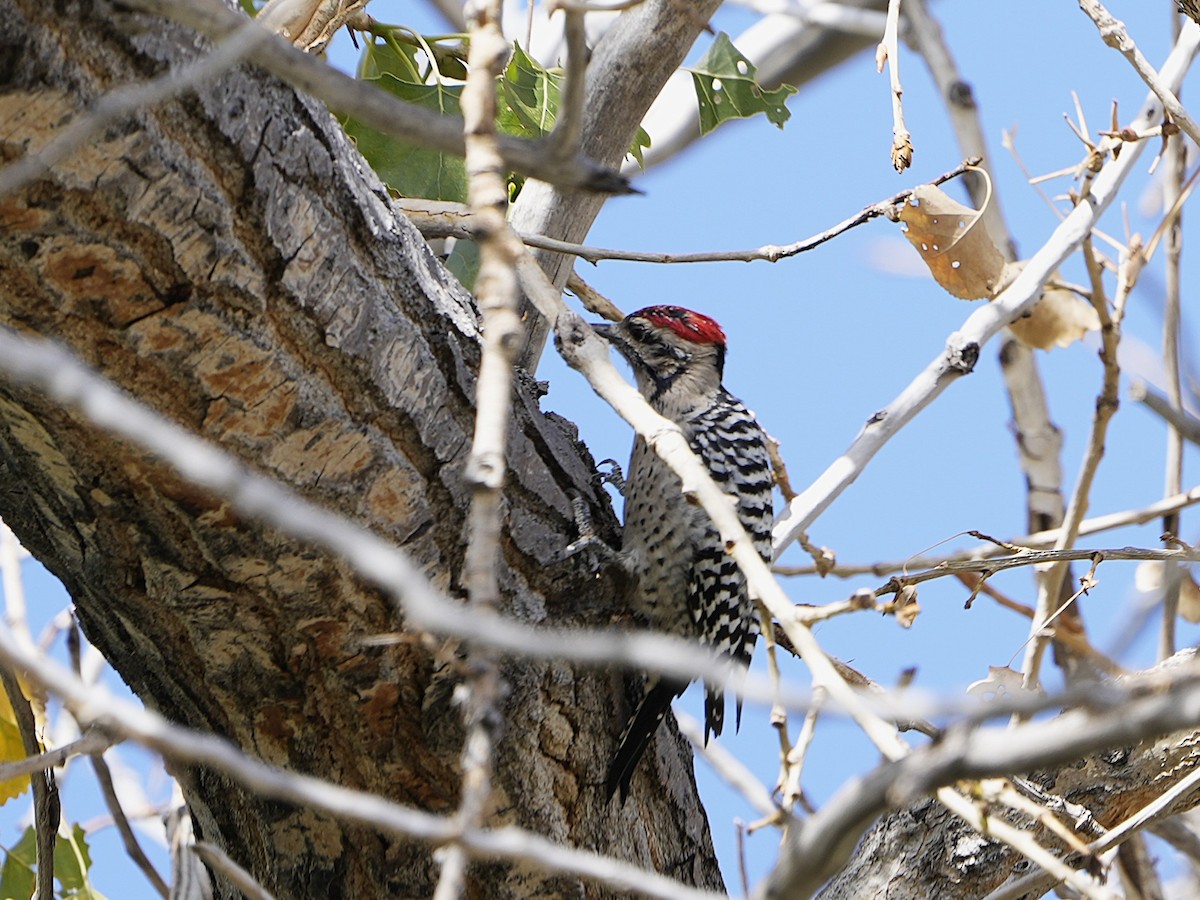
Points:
point(1051, 584)
point(1181, 421)
point(109, 792)
point(132, 847)
point(446, 219)
point(964, 345)
point(792, 790)
point(496, 291)
point(1114, 33)
point(90, 742)
point(1175, 154)
point(217, 860)
point(568, 126)
point(593, 301)
point(1039, 540)
point(46, 809)
point(888, 52)
point(1131, 825)
point(731, 770)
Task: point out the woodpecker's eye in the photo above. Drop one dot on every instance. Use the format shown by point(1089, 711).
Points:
point(638, 330)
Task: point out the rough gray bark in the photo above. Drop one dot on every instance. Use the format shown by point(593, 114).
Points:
point(228, 259)
point(925, 851)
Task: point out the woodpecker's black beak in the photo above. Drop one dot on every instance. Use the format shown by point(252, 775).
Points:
point(604, 331)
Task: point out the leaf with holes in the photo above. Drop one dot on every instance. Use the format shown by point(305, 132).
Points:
point(726, 88)
point(954, 243)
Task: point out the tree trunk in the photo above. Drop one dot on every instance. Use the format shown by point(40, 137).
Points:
point(228, 259)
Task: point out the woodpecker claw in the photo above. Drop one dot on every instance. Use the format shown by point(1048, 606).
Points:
point(614, 476)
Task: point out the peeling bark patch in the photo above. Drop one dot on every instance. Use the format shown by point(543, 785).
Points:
point(328, 638)
point(92, 278)
point(396, 496)
point(274, 732)
point(379, 709)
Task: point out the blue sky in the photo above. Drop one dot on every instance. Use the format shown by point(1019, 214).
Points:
point(821, 341)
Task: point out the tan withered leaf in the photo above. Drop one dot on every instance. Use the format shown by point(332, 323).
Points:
point(1189, 598)
point(954, 243)
point(1058, 318)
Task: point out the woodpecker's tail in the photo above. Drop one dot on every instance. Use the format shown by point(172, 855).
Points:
point(652, 709)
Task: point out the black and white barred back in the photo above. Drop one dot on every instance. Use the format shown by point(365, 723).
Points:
point(734, 449)
point(687, 584)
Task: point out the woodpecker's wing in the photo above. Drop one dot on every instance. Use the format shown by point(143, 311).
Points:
point(734, 449)
point(655, 702)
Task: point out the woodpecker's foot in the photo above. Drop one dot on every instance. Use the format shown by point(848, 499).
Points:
point(613, 476)
point(588, 539)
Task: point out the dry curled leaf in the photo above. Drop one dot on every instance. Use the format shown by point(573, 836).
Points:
point(310, 24)
point(905, 607)
point(1059, 318)
point(1189, 599)
point(953, 242)
point(1148, 579)
point(963, 258)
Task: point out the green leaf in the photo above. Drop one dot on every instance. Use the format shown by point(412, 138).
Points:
point(17, 876)
point(528, 96)
point(641, 141)
point(727, 89)
point(72, 862)
point(408, 170)
point(463, 263)
point(529, 99)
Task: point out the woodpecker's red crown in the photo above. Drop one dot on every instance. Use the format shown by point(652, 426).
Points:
point(688, 324)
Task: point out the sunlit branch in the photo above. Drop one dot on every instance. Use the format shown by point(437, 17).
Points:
point(1115, 35)
point(94, 705)
point(446, 219)
point(963, 346)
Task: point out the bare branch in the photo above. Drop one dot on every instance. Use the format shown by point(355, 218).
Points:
point(128, 838)
point(1037, 540)
point(1050, 588)
point(1114, 33)
point(963, 346)
point(90, 742)
point(820, 845)
point(888, 51)
point(216, 859)
point(729, 767)
point(446, 219)
point(46, 808)
point(496, 290)
point(94, 705)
